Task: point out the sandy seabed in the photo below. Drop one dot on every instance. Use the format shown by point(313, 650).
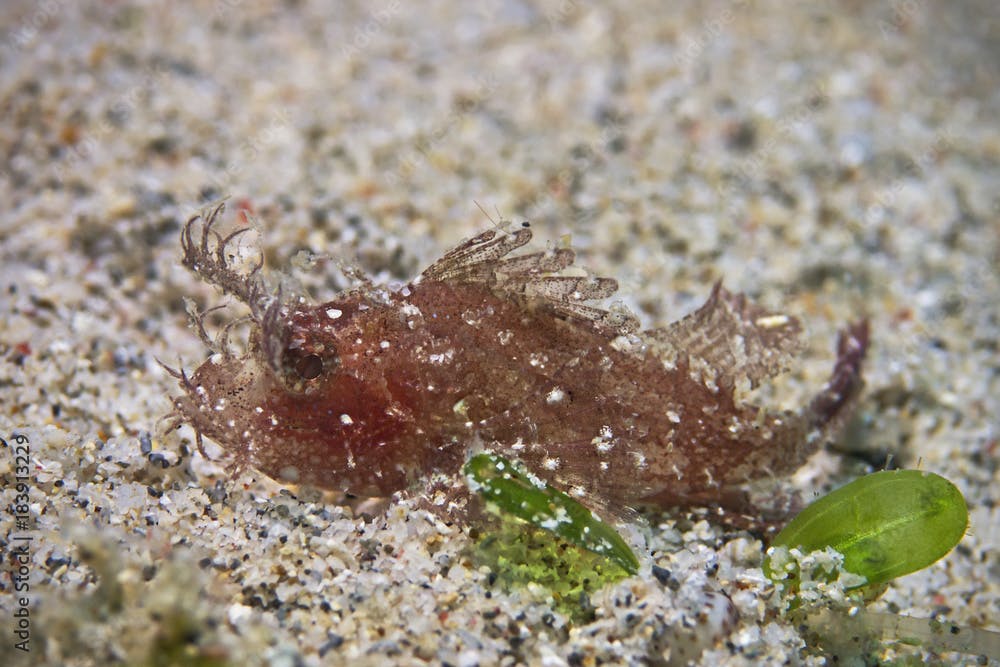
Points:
point(831, 160)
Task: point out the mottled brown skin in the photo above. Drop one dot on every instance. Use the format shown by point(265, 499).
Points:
point(373, 392)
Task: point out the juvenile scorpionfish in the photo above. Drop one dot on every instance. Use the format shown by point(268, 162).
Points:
point(380, 390)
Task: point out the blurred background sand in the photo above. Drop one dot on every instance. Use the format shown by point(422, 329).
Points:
point(831, 159)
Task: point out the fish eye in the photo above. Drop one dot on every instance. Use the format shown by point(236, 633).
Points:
point(309, 367)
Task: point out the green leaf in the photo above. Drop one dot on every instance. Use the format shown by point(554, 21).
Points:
point(886, 524)
point(516, 491)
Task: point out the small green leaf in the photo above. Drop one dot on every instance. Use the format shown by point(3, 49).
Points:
point(886, 524)
point(514, 490)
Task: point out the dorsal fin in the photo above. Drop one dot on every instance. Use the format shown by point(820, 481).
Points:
point(732, 337)
point(531, 278)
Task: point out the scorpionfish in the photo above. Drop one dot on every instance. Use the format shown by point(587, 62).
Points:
point(380, 390)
